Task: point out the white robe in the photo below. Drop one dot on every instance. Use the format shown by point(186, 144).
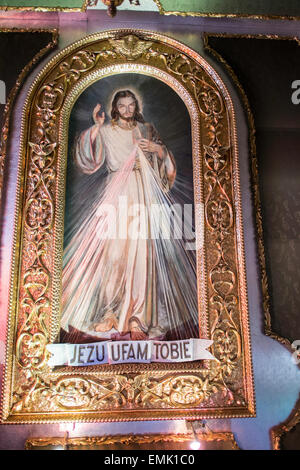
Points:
point(106, 276)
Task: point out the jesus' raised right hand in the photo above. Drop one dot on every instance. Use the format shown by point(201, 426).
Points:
point(98, 119)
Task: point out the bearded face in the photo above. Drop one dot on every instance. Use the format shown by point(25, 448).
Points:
point(126, 108)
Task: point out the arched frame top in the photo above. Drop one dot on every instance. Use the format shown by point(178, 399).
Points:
point(34, 392)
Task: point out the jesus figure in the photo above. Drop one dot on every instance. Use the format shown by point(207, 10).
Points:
point(136, 284)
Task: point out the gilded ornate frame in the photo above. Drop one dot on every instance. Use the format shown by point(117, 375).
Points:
point(215, 440)
point(162, 11)
point(32, 391)
point(279, 431)
point(41, 9)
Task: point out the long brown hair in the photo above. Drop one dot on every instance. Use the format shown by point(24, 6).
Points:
point(125, 94)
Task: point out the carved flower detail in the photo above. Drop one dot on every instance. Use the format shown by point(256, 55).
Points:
point(226, 349)
point(212, 104)
point(85, 58)
point(41, 152)
point(191, 391)
point(216, 157)
point(219, 215)
point(48, 97)
point(43, 148)
point(39, 214)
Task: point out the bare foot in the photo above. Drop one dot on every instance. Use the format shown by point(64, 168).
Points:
point(136, 333)
point(106, 324)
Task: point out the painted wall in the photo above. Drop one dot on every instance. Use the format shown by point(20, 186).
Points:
point(276, 377)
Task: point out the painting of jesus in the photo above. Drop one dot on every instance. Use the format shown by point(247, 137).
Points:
point(127, 271)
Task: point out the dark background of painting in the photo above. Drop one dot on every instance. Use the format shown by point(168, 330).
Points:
point(161, 106)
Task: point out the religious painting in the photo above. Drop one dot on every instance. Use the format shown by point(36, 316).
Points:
point(129, 296)
point(129, 265)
